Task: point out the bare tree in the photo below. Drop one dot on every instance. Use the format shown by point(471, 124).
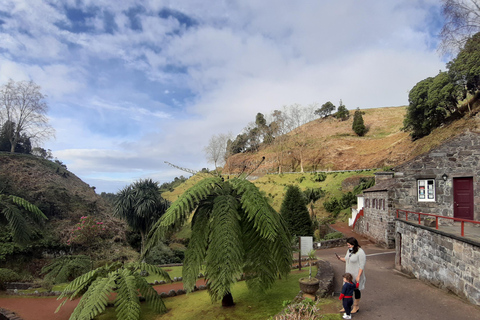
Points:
point(22, 105)
point(462, 20)
point(216, 148)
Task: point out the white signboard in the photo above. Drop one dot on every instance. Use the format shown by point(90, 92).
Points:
point(306, 245)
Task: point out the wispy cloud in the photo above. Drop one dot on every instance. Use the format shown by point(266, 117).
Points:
point(131, 84)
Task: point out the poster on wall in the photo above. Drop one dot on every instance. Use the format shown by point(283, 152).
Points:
point(421, 192)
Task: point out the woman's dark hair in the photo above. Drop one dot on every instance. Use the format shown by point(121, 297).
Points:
point(348, 276)
point(354, 243)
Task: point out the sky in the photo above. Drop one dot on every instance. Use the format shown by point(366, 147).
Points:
point(132, 84)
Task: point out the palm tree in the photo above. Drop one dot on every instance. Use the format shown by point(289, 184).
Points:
point(235, 232)
point(125, 280)
point(141, 205)
point(12, 214)
point(312, 195)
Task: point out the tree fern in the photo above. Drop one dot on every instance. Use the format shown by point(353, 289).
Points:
point(234, 231)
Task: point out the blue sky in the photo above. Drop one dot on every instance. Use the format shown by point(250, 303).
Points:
point(131, 84)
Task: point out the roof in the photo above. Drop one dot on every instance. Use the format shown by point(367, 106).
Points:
point(383, 185)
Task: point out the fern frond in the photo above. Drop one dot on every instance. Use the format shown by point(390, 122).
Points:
point(224, 257)
point(179, 211)
point(20, 229)
point(259, 268)
point(37, 213)
point(65, 267)
point(257, 208)
point(151, 296)
point(79, 285)
point(197, 247)
point(95, 300)
point(127, 303)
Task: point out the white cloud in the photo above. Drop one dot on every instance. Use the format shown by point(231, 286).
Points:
point(125, 101)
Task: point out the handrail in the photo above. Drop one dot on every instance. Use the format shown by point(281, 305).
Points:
point(359, 214)
point(420, 214)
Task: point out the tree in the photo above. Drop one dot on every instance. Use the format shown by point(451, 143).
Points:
point(42, 153)
point(462, 19)
point(16, 212)
point(96, 286)
point(431, 102)
point(325, 110)
point(416, 119)
point(22, 104)
point(294, 211)
point(312, 195)
point(216, 149)
point(358, 125)
point(234, 231)
point(141, 205)
point(465, 68)
point(23, 144)
point(342, 112)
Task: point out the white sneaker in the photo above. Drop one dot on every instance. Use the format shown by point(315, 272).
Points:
point(345, 316)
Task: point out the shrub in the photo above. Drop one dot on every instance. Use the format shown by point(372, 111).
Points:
point(162, 254)
point(334, 235)
point(86, 232)
point(7, 275)
point(306, 309)
point(319, 176)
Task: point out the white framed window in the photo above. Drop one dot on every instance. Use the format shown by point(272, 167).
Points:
point(426, 190)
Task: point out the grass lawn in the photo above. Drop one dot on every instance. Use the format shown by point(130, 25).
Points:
point(172, 271)
point(248, 305)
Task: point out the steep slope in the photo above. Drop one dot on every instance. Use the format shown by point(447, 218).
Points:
point(61, 195)
point(331, 144)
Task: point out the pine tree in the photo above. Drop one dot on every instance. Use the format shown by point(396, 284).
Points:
point(358, 125)
point(235, 232)
point(294, 211)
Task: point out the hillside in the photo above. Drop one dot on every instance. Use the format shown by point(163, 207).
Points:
point(331, 144)
point(61, 195)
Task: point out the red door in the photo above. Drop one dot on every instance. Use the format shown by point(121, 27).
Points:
point(463, 198)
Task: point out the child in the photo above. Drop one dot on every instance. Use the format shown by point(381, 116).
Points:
point(347, 294)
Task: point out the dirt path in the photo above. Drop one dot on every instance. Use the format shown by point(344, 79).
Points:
point(43, 308)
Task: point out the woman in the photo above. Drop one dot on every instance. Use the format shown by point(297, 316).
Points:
point(355, 260)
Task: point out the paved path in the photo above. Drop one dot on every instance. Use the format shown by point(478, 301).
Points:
point(390, 295)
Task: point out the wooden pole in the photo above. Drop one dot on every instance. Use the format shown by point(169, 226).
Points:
point(299, 254)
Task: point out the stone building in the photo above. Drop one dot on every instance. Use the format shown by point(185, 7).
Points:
point(445, 181)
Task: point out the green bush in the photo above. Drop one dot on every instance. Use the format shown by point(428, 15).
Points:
point(7, 275)
point(162, 254)
point(334, 235)
point(319, 176)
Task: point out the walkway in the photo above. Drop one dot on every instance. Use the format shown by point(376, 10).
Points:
point(391, 295)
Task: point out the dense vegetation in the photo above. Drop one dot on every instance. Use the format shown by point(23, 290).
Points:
point(435, 101)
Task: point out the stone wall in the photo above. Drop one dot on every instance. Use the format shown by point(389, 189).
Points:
point(459, 157)
point(378, 221)
point(446, 261)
